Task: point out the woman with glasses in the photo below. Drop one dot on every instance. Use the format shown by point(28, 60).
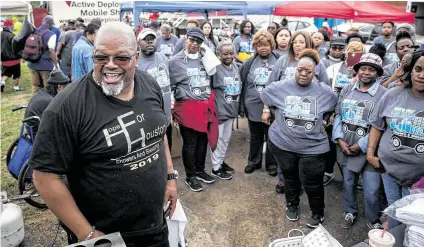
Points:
point(243, 43)
point(396, 139)
point(254, 77)
point(273, 27)
point(350, 132)
point(341, 73)
point(211, 41)
point(335, 53)
point(282, 40)
point(297, 138)
point(194, 108)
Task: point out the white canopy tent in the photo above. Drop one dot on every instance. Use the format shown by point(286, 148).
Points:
point(16, 8)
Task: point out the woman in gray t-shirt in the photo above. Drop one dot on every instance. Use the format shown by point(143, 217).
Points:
point(350, 131)
point(282, 41)
point(398, 132)
point(211, 41)
point(297, 137)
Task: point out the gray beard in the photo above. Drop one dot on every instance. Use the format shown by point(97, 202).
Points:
point(114, 89)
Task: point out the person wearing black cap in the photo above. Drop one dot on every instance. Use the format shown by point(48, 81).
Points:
point(335, 53)
point(354, 37)
point(194, 108)
point(386, 34)
point(56, 82)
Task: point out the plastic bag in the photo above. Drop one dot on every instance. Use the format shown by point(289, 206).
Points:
point(407, 200)
point(26, 29)
point(414, 237)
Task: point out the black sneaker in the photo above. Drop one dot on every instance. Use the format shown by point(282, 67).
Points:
point(315, 220)
point(375, 225)
point(250, 168)
point(220, 173)
point(204, 177)
point(359, 186)
point(348, 220)
point(226, 168)
point(194, 184)
point(272, 172)
point(328, 178)
point(279, 188)
point(292, 212)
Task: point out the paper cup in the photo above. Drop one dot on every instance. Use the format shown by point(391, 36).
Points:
point(377, 241)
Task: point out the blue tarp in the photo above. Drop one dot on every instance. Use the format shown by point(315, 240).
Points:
point(233, 7)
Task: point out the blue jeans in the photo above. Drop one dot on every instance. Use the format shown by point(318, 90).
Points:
point(371, 184)
point(394, 192)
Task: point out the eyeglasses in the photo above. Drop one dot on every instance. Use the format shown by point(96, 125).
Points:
point(307, 71)
point(195, 40)
point(338, 47)
point(119, 60)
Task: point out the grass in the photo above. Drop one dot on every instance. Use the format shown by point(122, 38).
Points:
point(11, 123)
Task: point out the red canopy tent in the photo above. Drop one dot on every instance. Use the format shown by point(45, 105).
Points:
point(359, 11)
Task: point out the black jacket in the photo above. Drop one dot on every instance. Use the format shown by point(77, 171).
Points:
point(244, 71)
point(7, 53)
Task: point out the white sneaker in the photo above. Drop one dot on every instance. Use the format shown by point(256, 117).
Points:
point(264, 149)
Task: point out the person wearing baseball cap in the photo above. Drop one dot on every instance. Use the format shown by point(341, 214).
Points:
point(155, 26)
point(194, 108)
point(156, 64)
point(56, 82)
point(351, 129)
point(10, 62)
point(335, 53)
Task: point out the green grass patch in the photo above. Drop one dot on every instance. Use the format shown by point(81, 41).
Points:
point(11, 123)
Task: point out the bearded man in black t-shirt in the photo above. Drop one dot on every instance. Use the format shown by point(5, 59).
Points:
point(106, 133)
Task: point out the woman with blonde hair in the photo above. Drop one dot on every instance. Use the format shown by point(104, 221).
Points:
point(286, 66)
point(296, 137)
point(254, 77)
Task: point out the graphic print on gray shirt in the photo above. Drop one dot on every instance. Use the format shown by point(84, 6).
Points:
point(298, 125)
point(243, 44)
point(227, 87)
point(401, 149)
point(157, 66)
point(257, 80)
point(343, 78)
point(355, 108)
point(166, 46)
point(189, 78)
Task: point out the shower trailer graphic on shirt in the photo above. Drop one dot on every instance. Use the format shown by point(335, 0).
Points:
point(301, 111)
point(355, 116)
point(232, 90)
point(408, 129)
point(199, 82)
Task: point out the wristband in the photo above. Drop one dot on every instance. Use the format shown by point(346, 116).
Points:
point(266, 111)
point(91, 233)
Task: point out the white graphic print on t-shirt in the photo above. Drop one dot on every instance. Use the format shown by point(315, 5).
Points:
point(355, 115)
point(408, 128)
point(199, 81)
point(232, 90)
point(161, 75)
point(261, 77)
point(301, 112)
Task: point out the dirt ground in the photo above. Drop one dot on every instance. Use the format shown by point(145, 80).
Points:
point(242, 212)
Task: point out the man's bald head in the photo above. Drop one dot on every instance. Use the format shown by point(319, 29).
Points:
point(118, 29)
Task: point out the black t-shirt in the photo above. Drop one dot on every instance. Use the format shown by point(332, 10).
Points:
point(36, 106)
point(112, 152)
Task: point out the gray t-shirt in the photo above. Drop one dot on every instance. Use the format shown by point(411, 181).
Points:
point(281, 52)
point(342, 78)
point(210, 43)
point(328, 61)
point(285, 69)
point(298, 125)
point(257, 80)
point(355, 108)
point(400, 115)
point(381, 40)
point(243, 44)
point(157, 66)
point(391, 52)
point(189, 78)
point(180, 45)
point(166, 46)
point(67, 42)
point(388, 71)
point(227, 87)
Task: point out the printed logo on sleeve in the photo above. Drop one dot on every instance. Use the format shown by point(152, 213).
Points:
point(261, 77)
point(146, 144)
point(199, 81)
point(355, 115)
point(408, 129)
point(301, 112)
point(161, 75)
point(233, 89)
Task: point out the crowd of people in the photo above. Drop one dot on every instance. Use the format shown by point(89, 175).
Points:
point(311, 101)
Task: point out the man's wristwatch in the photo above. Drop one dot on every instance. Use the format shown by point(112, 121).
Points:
point(173, 175)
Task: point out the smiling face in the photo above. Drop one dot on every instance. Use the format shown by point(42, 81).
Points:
point(227, 54)
point(193, 44)
point(417, 76)
point(305, 72)
point(283, 39)
point(115, 74)
point(367, 74)
point(247, 28)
